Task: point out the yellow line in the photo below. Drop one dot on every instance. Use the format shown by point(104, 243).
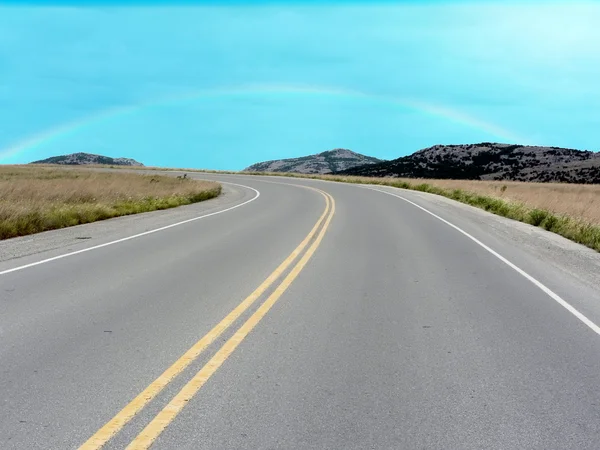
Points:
point(149, 434)
point(116, 424)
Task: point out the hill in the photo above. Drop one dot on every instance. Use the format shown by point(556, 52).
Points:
point(322, 163)
point(491, 161)
point(77, 159)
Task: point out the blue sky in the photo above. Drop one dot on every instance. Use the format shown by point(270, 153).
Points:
point(224, 85)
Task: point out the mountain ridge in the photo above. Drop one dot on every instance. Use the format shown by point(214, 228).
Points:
point(80, 159)
point(490, 161)
point(330, 161)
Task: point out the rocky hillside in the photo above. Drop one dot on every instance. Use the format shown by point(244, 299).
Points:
point(76, 159)
point(326, 162)
point(489, 161)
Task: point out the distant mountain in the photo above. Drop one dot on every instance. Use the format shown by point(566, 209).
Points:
point(77, 159)
point(322, 163)
point(490, 161)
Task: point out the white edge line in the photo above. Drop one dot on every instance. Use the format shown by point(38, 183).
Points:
point(539, 284)
point(145, 233)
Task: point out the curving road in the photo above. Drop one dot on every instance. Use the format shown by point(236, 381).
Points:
point(303, 314)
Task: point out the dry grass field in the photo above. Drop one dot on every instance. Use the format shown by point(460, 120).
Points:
point(570, 210)
point(40, 198)
point(580, 201)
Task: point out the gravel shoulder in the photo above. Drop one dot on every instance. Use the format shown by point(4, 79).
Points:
point(569, 269)
point(54, 242)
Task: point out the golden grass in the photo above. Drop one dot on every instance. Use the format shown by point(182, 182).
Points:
point(570, 210)
point(580, 201)
point(34, 198)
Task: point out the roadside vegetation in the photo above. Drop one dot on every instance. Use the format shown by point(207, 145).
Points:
point(41, 198)
point(570, 210)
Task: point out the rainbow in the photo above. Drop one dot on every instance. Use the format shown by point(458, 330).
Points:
point(67, 129)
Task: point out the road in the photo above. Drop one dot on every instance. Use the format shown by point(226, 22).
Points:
point(300, 314)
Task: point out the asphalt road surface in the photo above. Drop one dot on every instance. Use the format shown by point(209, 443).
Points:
point(299, 314)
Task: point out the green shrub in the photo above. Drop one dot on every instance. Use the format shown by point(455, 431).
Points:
point(537, 216)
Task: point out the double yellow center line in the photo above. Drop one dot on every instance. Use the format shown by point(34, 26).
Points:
point(145, 439)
